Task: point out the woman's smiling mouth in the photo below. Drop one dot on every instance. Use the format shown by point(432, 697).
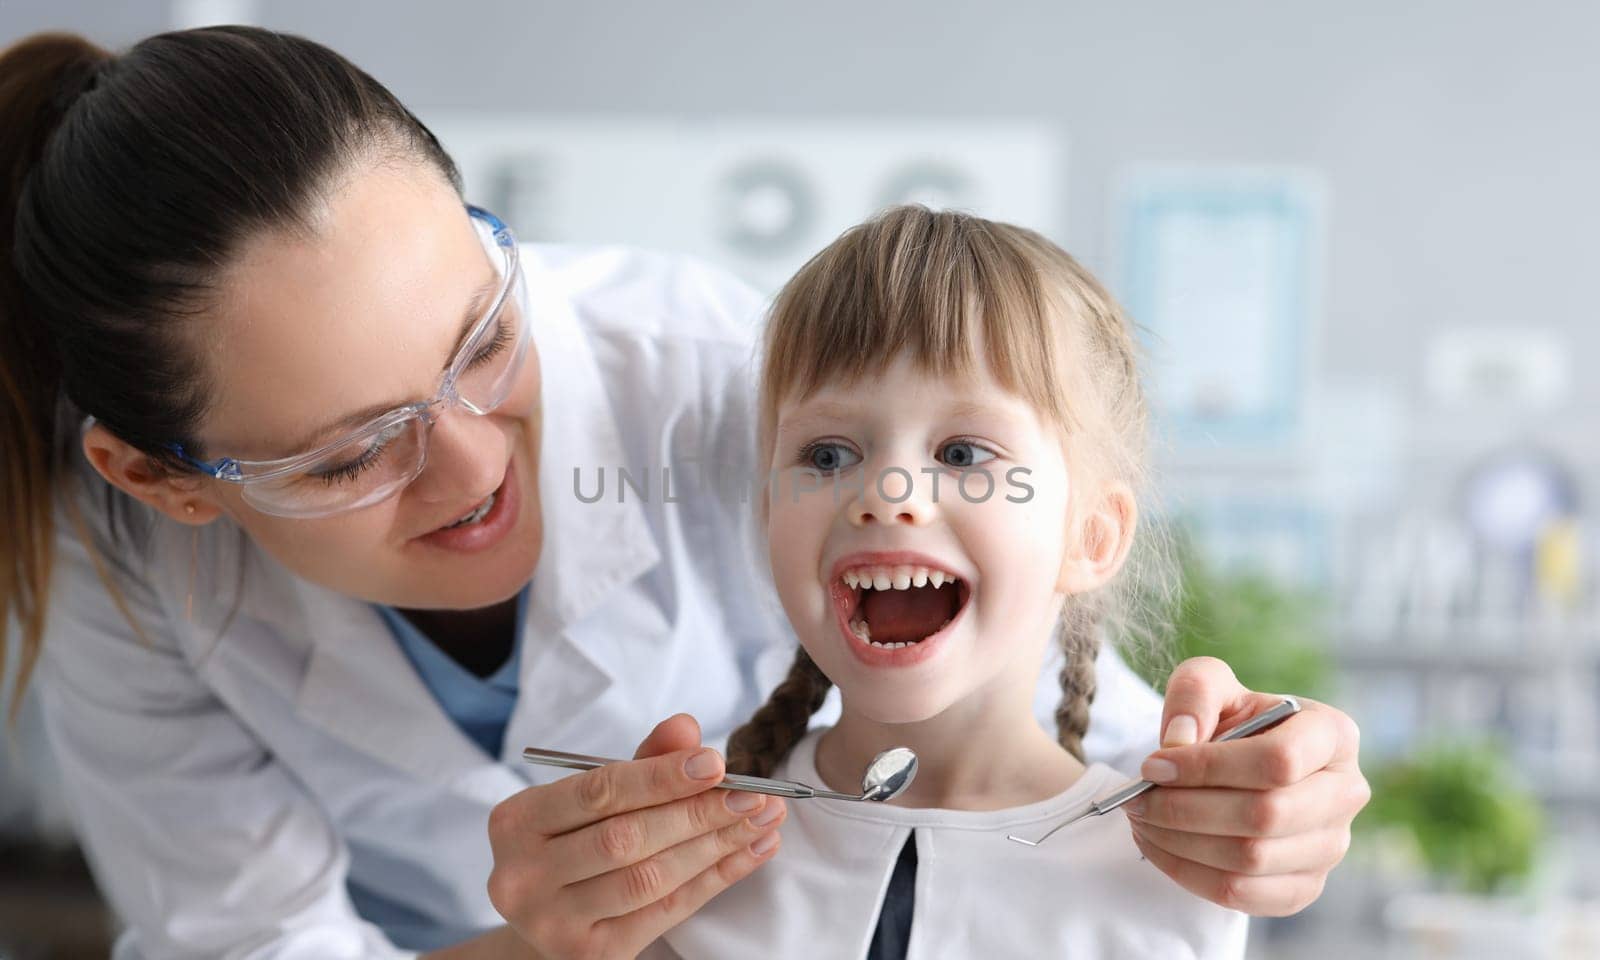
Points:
point(893, 608)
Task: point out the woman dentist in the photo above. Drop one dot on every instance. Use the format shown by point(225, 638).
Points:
point(288, 441)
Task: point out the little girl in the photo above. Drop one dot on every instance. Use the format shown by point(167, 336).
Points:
point(952, 417)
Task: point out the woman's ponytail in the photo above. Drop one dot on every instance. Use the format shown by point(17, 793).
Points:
point(40, 79)
point(130, 183)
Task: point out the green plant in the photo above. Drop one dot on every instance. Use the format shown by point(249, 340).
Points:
point(1473, 826)
point(1272, 635)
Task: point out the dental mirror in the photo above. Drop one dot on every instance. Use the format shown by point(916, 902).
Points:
point(889, 774)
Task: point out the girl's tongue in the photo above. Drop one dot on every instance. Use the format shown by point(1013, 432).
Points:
point(907, 616)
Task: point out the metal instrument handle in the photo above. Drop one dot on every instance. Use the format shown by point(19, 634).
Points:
point(1277, 714)
point(1261, 721)
point(733, 781)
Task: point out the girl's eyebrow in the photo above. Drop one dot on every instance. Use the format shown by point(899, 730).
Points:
point(819, 413)
point(973, 410)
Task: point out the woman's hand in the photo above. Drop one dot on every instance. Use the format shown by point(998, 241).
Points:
point(1262, 820)
point(601, 863)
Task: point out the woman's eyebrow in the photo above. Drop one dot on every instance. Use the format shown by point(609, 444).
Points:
point(350, 421)
point(473, 313)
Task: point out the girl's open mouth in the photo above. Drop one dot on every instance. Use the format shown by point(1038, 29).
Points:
point(892, 606)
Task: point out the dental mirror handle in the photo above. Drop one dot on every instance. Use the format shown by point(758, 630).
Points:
point(1282, 711)
point(733, 781)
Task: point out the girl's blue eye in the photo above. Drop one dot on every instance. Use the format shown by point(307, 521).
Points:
point(829, 457)
point(964, 453)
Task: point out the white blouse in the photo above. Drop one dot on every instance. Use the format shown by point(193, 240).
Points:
point(1085, 893)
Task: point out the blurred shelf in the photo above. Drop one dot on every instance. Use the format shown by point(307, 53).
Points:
point(1492, 645)
point(1438, 657)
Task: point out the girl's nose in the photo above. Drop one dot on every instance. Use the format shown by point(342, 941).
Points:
point(893, 496)
point(466, 459)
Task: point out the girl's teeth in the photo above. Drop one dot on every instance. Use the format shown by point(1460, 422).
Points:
point(902, 577)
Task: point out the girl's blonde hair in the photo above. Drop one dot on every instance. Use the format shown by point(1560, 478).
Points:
point(932, 286)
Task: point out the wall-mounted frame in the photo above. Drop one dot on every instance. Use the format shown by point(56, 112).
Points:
point(1222, 270)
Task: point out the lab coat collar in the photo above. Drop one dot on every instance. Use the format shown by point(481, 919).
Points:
point(589, 548)
point(357, 685)
point(360, 687)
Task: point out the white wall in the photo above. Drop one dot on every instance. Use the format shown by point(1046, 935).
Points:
point(1455, 137)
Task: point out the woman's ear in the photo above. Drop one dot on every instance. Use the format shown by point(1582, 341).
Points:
point(1099, 545)
point(129, 469)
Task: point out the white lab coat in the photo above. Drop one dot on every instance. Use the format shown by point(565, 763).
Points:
point(242, 779)
point(1085, 893)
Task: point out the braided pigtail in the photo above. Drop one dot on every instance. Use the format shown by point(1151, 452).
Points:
point(761, 744)
point(1079, 633)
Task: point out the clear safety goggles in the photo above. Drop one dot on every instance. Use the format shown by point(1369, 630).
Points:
point(378, 459)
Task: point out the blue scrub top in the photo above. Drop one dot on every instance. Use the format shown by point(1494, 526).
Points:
point(479, 706)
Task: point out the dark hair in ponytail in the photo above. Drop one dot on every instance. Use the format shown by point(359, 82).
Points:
point(130, 182)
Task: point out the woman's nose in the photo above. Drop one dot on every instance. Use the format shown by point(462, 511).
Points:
point(466, 459)
point(893, 496)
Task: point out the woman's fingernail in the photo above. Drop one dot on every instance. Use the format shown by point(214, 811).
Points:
point(1157, 770)
point(764, 845)
point(703, 765)
point(741, 802)
point(1182, 730)
point(773, 811)
point(1134, 807)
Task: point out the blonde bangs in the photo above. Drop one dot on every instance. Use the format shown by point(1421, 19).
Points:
point(929, 286)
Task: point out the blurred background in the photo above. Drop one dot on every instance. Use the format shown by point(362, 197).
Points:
point(1360, 239)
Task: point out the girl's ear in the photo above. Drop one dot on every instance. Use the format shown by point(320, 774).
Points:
point(131, 470)
point(1098, 547)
